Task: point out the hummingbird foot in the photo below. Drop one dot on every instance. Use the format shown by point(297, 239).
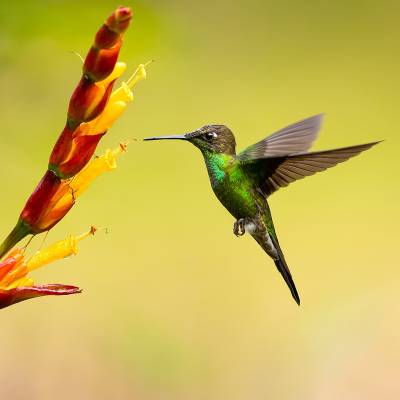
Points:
point(239, 227)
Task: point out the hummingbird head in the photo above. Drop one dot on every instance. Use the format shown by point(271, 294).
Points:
point(209, 138)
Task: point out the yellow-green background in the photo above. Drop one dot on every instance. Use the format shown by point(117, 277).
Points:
point(174, 306)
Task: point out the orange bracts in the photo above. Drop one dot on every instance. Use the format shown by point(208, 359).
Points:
point(93, 108)
point(73, 150)
point(55, 197)
point(76, 146)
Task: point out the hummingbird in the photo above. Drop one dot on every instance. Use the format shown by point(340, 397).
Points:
point(243, 182)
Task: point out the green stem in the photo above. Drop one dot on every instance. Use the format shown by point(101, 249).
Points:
point(20, 230)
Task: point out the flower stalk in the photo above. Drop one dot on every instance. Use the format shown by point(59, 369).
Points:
point(21, 230)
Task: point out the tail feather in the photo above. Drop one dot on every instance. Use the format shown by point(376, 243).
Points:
point(264, 233)
point(284, 270)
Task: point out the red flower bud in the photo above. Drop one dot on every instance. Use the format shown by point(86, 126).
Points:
point(99, 63)
point(119, 20)
point(106, 38)
point(87, 101)
point(84, 148)
point(72, 152)
point(40, 200)
point(62, 148)
point(40, 212)
point(103, 55)
point(54, 215)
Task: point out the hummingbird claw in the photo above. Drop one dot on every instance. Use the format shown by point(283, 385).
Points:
point(239, 227)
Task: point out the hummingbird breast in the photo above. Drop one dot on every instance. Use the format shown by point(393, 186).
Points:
point(232, 186)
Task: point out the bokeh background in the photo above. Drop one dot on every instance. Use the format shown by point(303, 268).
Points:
point(174, 305)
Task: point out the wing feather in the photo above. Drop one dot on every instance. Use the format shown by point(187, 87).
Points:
point(275, 172)
point(295, 138)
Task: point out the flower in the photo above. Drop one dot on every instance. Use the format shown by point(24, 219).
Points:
point(54, 197)
point(16, 285)
point(70, 190)
point(73, 150)
point(75, 147)
point(89, 98)
point(115, 106)
point(92, 110)
point(67, 191)
point(103, 54)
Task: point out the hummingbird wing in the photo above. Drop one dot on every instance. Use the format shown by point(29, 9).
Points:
point(271, 173)
point(295, 138)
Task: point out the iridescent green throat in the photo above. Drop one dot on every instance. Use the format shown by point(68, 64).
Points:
point(217, 164)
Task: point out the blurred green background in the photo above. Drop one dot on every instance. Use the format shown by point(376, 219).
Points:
point(174, 305)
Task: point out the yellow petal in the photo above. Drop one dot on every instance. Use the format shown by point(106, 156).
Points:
point(97, 166)
point(95, 101)
point(116, 104)
point(110, 114)
point(123, 93)
point(22, 282)
point(118, 70)
point(106, 119)
point(16, 273)
point(57, 251)
point(138, 75)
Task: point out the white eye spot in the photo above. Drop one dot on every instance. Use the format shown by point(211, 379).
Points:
point(211, 135)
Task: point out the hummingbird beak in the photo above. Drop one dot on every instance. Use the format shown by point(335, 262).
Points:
point(171, 137)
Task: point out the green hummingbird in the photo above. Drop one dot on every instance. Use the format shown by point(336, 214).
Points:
point(243, 182)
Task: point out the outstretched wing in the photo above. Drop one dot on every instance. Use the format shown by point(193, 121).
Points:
point(272, 173)
point(295, 138)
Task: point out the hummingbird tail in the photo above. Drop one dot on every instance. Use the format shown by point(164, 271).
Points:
point(284, 270)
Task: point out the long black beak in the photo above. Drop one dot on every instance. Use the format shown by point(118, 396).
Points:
point(171, 137)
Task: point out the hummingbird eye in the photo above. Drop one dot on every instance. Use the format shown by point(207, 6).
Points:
point(210, 135)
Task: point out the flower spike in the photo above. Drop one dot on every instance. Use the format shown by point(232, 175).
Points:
point(92, 110)
point(100, 70)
